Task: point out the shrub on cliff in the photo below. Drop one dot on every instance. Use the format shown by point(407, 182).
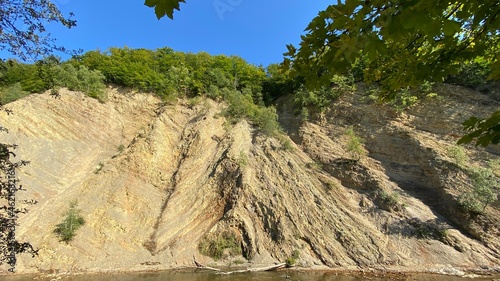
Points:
point(12, 93)
point(91, 82)
point(483, 193)
point(73, 220)
point(354, 145)
point(216, 247)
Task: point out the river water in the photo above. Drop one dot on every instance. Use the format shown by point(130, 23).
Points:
point(257, 276)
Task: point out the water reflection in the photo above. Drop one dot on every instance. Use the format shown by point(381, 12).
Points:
point(257, 276)
point(211, 276)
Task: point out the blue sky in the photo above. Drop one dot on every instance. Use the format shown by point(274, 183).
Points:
point(255, 30)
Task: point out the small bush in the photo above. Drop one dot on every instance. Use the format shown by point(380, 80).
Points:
point(317, 101)
point(316, 165)
point(357, 70)
point(427, 89)
point(471, 74)
point(266, 119)
point(91, 82)
point(67, 76)
point(286, 144)
point(242, 160)
point(470, 203)
point(66, 230)
point(354, 145)
point(213, 92)
point(121, 147)
point(194, 101)
point(304, 114)
point(458, 154)
point(430, 229)
point(224, 243)
point(291, 261)
point(389, 201)
point(238, 262)
point(494, 165)
point(12, 93)
point(403, 98)
point(484, 191)
point(241, 106)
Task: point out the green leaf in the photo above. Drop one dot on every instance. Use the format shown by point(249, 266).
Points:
point(291, 50)
point(451, 27)
point(470, 123)
point(351, 5)
point(150, 3)
point(465, 139)
point(485, 131)
point(164, 7)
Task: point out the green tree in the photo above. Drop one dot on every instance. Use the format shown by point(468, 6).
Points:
point(180, 78)
point(278, 83)
point(402, 44)
point(12, 93)
point(67, 76)
point(483, 193)
point(472, 73)
point(397, 44)
point(354, 145)
point(73, 220)
point(48, 68)
point(91, 83)
point(219, 78)
point(26, 74)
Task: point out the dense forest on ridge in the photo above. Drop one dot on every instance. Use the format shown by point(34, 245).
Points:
point(249, 90)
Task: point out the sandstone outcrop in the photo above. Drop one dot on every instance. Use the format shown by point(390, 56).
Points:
point(153, 180)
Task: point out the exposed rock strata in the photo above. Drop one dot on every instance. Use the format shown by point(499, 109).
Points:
point(153, 180)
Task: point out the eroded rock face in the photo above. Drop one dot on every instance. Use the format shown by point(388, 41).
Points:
point(153, 180)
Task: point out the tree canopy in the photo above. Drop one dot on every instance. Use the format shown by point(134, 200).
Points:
point(397, 44)
point(23, 27)
point(164, 72)
point(403, 44)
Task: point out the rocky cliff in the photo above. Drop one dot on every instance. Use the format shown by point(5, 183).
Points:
point(154, 181)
